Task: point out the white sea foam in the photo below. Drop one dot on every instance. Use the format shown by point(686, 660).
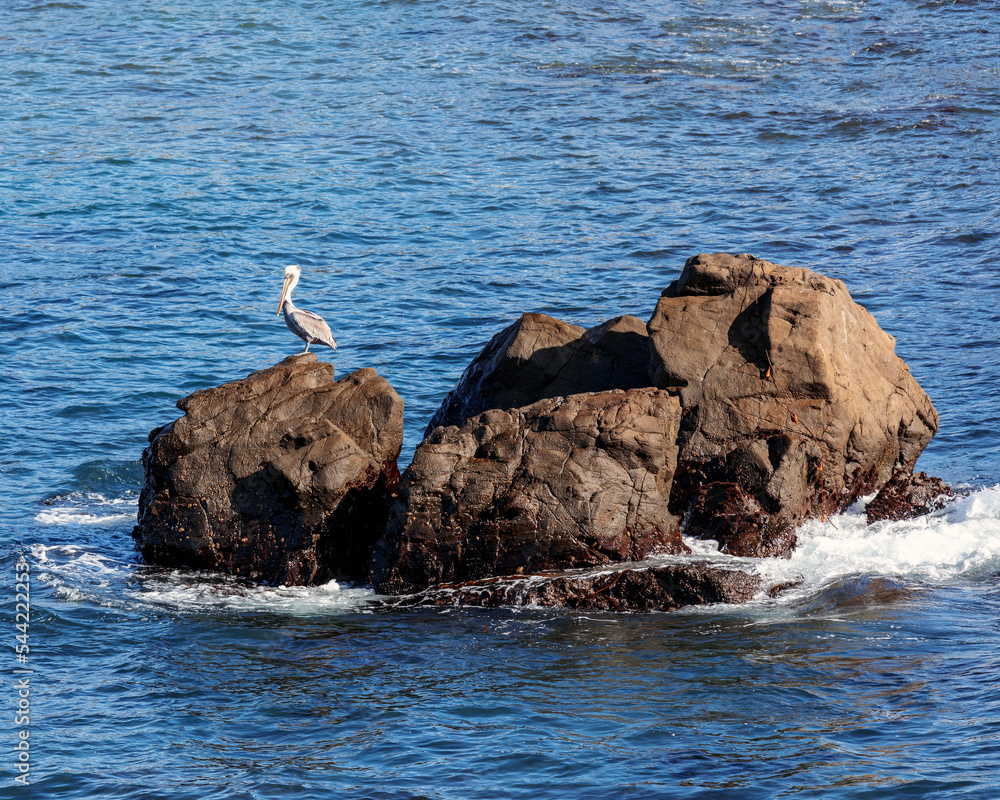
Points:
point(89, 508)
point(78, 573)
point(189, 591)
point(73, 517)
point(959, 543)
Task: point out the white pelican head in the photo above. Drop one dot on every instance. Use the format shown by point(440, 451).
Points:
point(292, 273)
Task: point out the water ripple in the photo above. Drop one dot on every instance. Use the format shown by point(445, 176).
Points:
point(437, 171)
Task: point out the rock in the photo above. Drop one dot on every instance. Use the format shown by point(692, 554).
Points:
point(908, 495)
point(539, 357)
point(725, 511)
point(561, 483)
point(654, 588)
point(794, 401)
point(285, 476)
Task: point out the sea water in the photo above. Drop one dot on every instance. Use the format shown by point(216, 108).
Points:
point(436, 170)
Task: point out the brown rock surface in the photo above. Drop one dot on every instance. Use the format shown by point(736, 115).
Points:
point(285, 476)
point(908, 495)
point(794, 401)
point(653, 588)
point(561, 483)
point(539, 357)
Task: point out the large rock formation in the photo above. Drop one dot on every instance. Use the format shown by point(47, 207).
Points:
point(650, 588)
point(561, 483)
point(795, 403)
point(285, 477)
point(756, 396)
point(539, 357)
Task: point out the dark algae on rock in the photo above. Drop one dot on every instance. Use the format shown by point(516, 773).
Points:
point(756, 397)
point(653, 588)
point(908, 495)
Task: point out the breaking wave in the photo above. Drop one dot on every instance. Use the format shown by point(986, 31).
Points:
point(88, 508)
point(959, 543)
point(77, 573)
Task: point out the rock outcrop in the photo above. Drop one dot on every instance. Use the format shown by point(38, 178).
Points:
point(653, 588)
point(539, 357)
point(908, 495)
point(756, 396)
point(284, 477)
point(795, 403)
point(562, 483)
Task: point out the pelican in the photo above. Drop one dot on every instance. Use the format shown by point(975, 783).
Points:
point(302, 323)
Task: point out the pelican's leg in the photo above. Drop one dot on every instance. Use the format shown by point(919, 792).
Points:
point(306, 349)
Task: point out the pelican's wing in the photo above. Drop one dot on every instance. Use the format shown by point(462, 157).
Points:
point(314, 326)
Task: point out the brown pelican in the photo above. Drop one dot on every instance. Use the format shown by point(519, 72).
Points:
point(302, 323)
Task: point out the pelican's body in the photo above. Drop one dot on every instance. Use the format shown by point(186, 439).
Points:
point(304, 324)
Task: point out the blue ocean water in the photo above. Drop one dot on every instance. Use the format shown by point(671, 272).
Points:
point(438, 169)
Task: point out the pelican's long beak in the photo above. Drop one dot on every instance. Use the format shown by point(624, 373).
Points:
point(284, 293)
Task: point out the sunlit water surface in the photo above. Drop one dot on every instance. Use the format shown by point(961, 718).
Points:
point(438, 169)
